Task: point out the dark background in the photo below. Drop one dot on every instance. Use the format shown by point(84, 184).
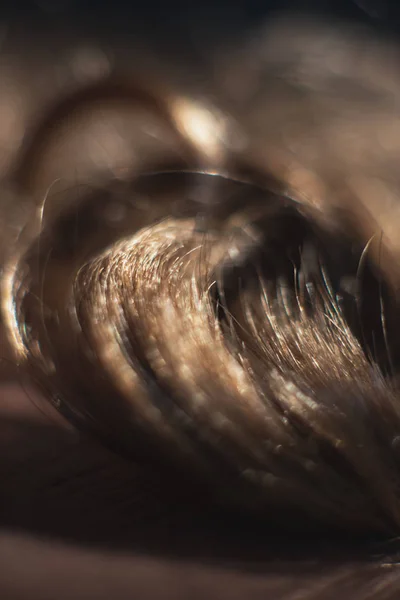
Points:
point(182, 19)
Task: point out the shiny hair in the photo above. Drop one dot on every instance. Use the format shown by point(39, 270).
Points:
point(220, 336)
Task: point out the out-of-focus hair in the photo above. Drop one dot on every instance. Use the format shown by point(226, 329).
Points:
point(202, 319)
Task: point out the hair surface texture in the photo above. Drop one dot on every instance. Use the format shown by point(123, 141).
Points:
point(211, 355)
point(226, 348)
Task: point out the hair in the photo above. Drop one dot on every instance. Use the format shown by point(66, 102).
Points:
point(217, 349)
